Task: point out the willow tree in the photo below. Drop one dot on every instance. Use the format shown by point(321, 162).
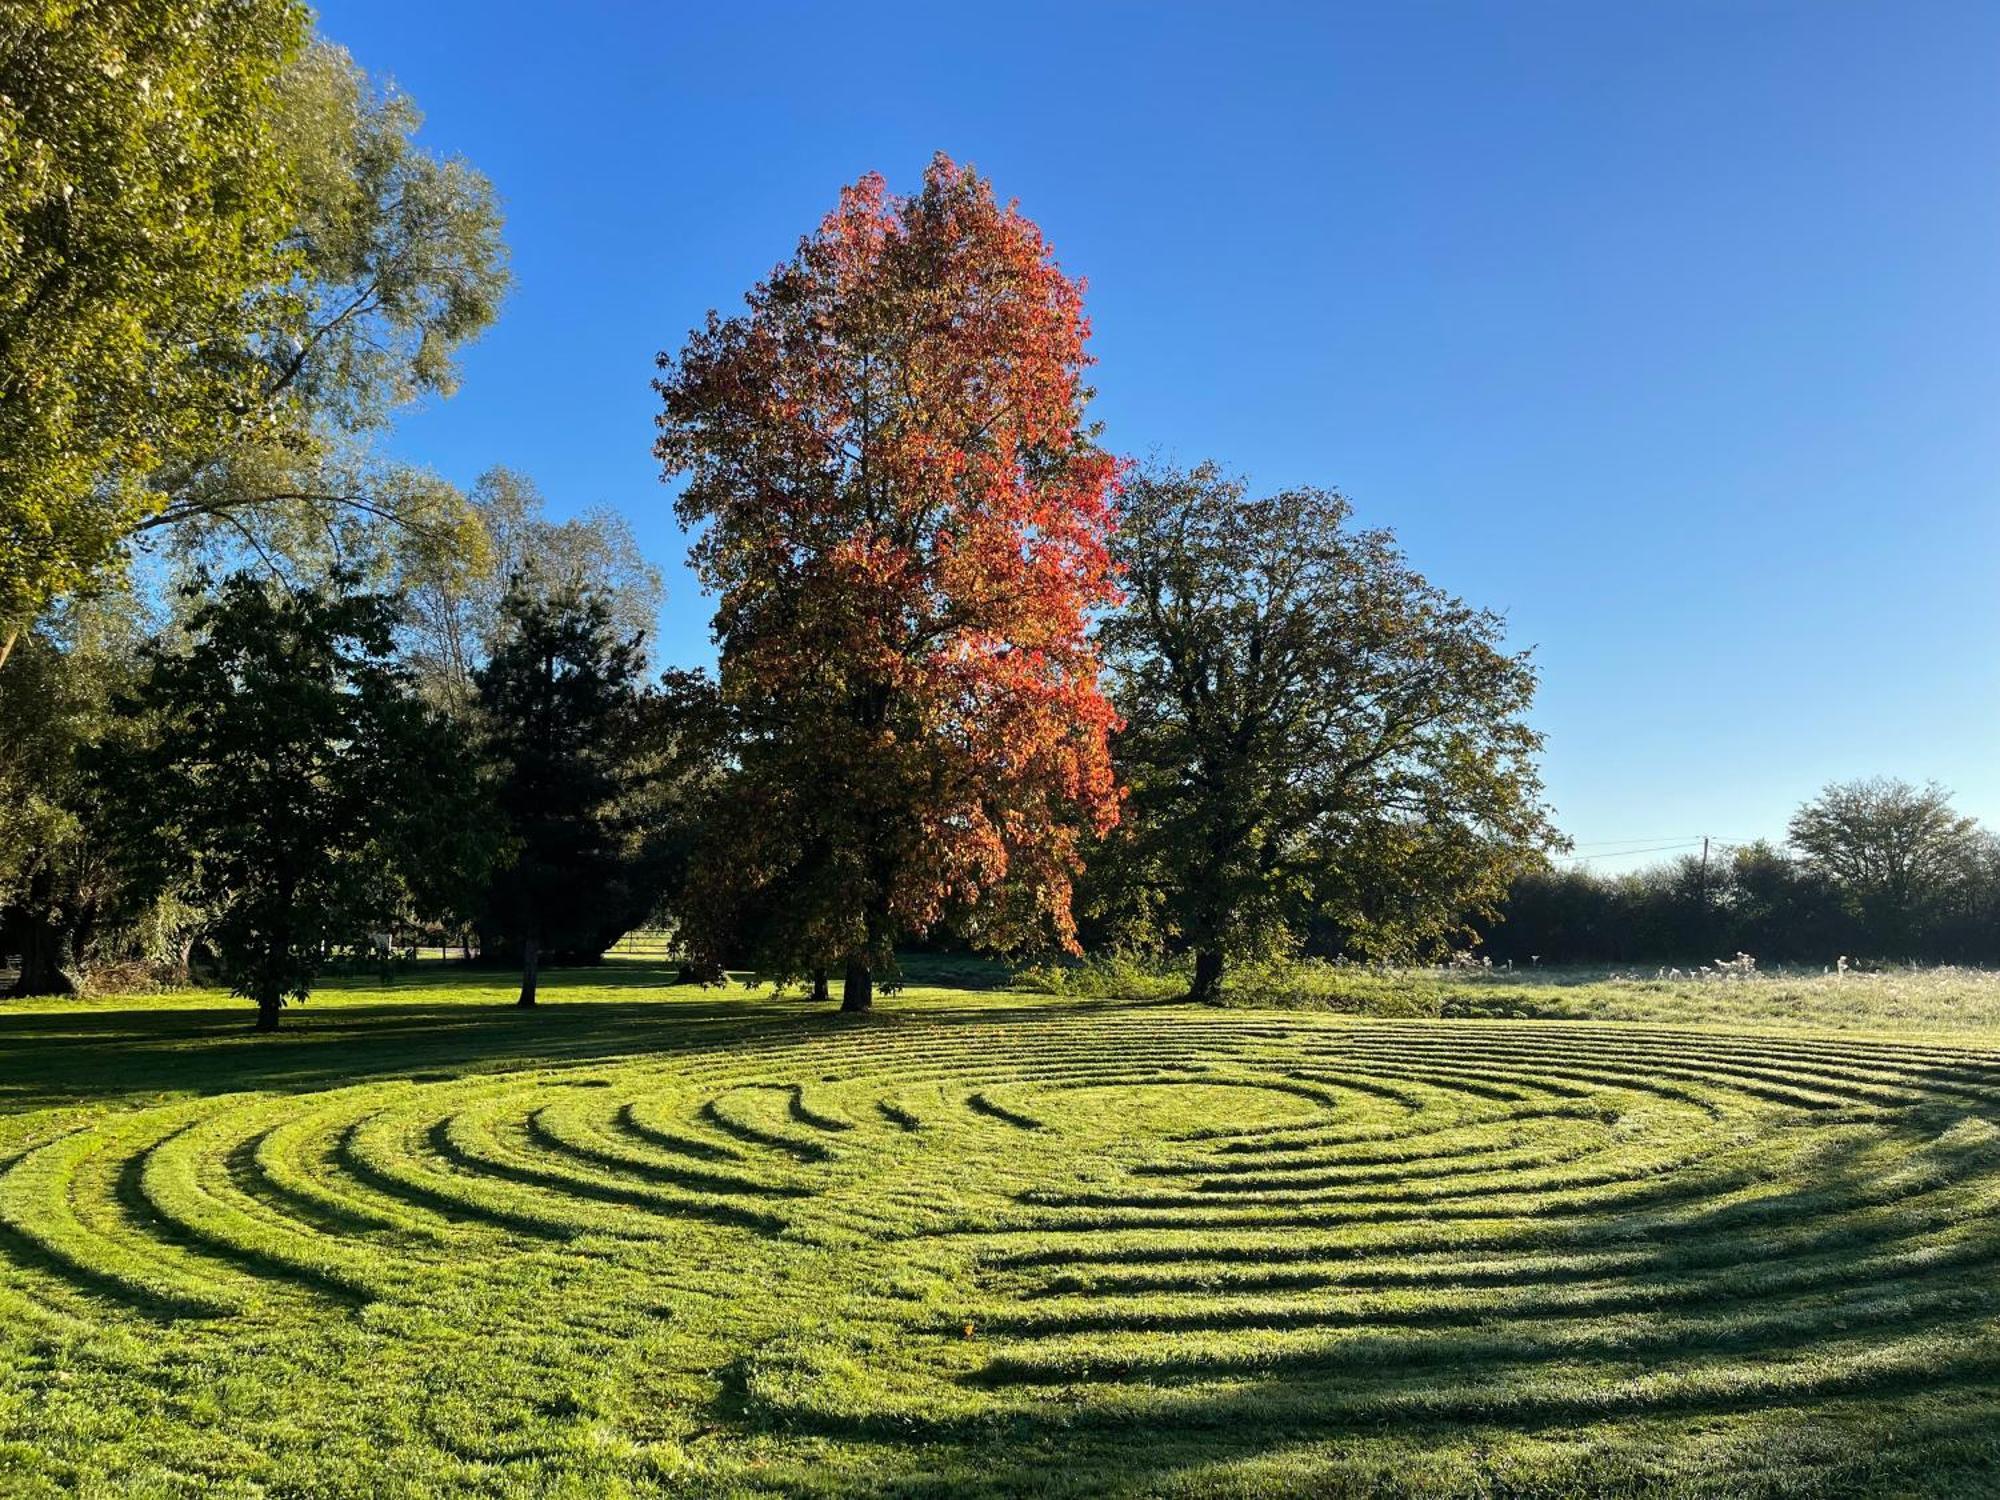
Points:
point(143, 215)
point(905, 516)
point(224, 263)
point(1315, 735)
point(393, 262)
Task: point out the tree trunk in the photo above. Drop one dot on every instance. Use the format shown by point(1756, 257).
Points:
point(857, 990)
point(82, 939)
point(44, 940)
point(820, 991)
point(267, 1013)
point(1207, 986)
point(42, 961)
point(7, 639)
point(531, 962)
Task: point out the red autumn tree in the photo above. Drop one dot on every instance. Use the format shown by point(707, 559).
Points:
point(901, 508)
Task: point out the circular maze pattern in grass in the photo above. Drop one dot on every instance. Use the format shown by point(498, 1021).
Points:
point(992, 1224)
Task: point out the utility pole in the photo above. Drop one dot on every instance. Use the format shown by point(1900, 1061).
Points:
point(1703, 923)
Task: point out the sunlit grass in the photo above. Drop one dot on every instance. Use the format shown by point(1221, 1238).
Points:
point(659, 1239)
point(1946, 998)
point(1822, 998)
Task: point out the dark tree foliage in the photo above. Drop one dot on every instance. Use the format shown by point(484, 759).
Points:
point(1878, 871)
point(563, 719)
point(1897, 852)
point(674, 783)
point(59, 890)
point(1315, 736)
point(279, 769)
point(731, 917)
point(1757, 901)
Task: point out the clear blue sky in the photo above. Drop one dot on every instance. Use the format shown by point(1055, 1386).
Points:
point(1672, 330)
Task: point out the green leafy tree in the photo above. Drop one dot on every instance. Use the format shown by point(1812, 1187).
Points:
point(1314, 735)
point(281, 771)
point(560, 703)
point(454, 601)
point(1895, 851)
point(60, 889)
point(224, 264)
point(395, 261)
point(1756, 900)
point(144, 214)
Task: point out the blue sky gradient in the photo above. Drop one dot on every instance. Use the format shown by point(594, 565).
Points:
point(1671, 330)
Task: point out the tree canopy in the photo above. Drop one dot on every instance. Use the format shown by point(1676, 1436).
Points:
point(559, 705)
point(224, 262)
point(1313, 733)
point(394, 261)
point(279, 769)
point(144, 211)
point(455, 602)
point(1890, 847)
point(904, 514)
point(60, 889)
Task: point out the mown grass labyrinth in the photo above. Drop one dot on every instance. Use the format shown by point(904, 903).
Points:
point(1026, 1247)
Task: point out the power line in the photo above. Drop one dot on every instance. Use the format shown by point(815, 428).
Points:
point(1584, 859)
point(1637, 839)
point(1618, 848)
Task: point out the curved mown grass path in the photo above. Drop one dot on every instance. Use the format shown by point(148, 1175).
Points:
point(1152, 1247)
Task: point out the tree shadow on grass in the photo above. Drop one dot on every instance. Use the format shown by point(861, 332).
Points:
point(1869, 1431)
point(1870, 1424)
point(58, 1056)
point(1843, 1392)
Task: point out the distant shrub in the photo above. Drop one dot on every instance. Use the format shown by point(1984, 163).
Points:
point(129, 976)
point(1109, 976)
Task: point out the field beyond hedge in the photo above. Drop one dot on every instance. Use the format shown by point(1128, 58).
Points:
point(664, 1240)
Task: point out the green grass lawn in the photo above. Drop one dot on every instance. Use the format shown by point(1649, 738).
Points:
point(666, 1240)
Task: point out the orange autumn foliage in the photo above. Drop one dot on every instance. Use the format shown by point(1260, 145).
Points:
point(900, 506)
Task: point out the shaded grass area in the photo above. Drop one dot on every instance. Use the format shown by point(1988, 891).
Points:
point(436, 1015)
point(659, 1239)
